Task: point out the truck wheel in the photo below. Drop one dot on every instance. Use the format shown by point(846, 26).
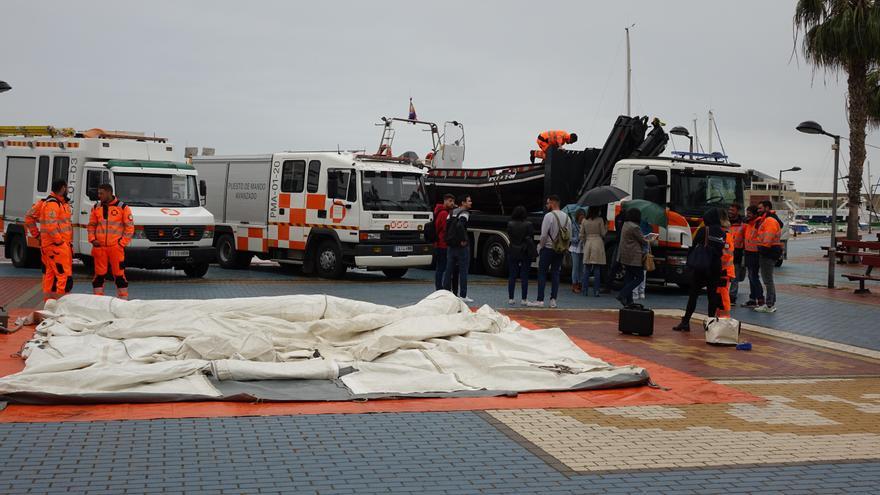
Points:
point(394, 273)
point(230, 258)
point(495, 257)
point(328, 260)
point(196, 270)
point(20, 253)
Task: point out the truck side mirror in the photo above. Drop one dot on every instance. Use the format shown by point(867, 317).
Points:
point(203, 192)
point(747, 179)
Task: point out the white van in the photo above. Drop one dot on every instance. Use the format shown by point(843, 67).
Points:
point(172, 228)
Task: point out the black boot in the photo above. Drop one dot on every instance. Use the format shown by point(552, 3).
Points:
point(684, 326)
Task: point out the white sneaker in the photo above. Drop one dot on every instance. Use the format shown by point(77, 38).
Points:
point(511, 302)
point(466, 299)
point(552, 303)
point(765, 309)
point(523, 302)
point(535, 304)
point(641, 296)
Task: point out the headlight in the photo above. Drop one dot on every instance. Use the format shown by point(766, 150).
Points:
point(370, 236)
point(209, 234)
point(139, 234)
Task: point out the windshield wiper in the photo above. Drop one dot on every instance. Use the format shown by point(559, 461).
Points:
point(139, 203)
point(172, 203)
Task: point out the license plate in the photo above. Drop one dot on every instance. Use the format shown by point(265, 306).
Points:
point(177, 253)
point(403, 249)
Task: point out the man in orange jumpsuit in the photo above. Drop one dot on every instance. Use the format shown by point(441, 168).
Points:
point(547, 139)
point(111, 227)
point(55, 234)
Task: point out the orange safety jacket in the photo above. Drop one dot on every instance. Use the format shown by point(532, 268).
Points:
point(111, 224)
point(727, 268)
point(738, 231)
point(750, 235)
point(553, 138)
point(769, 232)
point(54, 219)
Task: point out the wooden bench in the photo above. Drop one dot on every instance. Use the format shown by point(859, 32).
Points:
point(849, 251)
point(870, 260)
point(839, 243)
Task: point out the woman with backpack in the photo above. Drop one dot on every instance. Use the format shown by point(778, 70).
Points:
point(593, 230)
point(704, 265)
point(520, 254)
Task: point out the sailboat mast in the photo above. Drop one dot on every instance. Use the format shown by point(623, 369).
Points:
point(711, 130)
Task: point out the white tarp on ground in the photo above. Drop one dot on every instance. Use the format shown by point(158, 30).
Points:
point(95, 345)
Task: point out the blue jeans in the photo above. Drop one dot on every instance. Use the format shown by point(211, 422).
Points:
point(756, 291)
point(518, 268)
point(439, 266)
point(632, 278)
point(457, 260)
point(594, 271)
point(577, 266)
point(552, 261)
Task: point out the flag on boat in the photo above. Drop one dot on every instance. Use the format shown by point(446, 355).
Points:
point(412, 110)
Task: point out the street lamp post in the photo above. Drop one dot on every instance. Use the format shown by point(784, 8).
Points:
point(810, 127)
point(682, 131)
point(779, 187)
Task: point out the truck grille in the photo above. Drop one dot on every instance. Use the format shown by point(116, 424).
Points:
point(174, 233)
point(402, 236)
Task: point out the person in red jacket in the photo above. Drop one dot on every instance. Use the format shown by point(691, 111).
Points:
point(111, 227)
point(441, 214)
point(56, 240)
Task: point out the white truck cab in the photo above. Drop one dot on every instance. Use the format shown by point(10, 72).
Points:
point(687, 188)
point(172, 228)
point(327, 211)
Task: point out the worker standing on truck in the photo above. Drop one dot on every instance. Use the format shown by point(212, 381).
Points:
point(548, 139)
point(111, 227)
point(56, 240)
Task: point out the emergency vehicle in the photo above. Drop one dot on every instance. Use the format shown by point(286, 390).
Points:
point(172, 228)
point(685, 183)
point(327, 211)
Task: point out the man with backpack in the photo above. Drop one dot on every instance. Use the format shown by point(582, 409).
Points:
point(458, 253)
point(436, 232)
point(555, 239)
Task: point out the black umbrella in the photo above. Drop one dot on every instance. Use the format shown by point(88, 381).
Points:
point(602, 195)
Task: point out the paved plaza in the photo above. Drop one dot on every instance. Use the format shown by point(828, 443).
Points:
point(800, 413)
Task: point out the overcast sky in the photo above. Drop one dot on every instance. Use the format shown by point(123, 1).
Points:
point(257, 77)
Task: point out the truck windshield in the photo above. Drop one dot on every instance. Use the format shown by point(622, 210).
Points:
point(394, 191)
point(157, 189)
point(692, 193)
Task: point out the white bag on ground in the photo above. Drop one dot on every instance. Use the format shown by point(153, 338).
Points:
point(722, 331)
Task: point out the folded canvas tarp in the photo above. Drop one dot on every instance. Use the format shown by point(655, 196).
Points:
point(101, 349)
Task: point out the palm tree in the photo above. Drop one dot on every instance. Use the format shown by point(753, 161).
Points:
point(874, 98)
point(845, 35)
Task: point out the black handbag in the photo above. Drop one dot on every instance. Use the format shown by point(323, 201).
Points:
point(699, 258)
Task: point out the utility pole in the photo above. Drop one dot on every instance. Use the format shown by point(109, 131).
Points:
point(628, 74)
